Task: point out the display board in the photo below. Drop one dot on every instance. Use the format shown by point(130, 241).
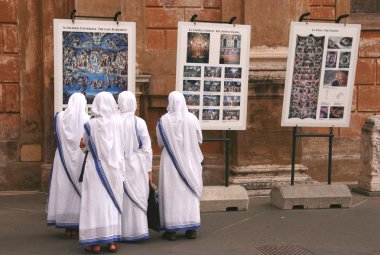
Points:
point(320, 74)
point(92, 56)
point(212, 72)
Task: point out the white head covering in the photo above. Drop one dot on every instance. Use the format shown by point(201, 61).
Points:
point(69, 127)
point(107, 135)
point(184, 134)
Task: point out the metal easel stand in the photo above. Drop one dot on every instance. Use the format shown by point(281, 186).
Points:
point(300, 134)
point(304, 15)
point(115, 18)
point(227, 139)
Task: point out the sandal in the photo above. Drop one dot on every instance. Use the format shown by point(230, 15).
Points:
point(67, 234)
point(112, 247)
point(95, 249)
point(74, 233)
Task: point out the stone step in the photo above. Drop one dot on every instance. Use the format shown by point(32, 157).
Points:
point(222, 199)
point(259, 183)
point(267, 170)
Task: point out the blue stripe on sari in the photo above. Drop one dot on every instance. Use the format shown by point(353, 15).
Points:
point(100, 240)
point(99, 168)
point(182, 227)
point(60, 151)
point(138, 134)
point(172, 157)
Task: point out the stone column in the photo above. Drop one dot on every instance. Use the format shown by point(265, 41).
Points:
point(369, 179)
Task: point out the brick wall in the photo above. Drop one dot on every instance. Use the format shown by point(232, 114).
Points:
point(162, 17)
point(9, 79)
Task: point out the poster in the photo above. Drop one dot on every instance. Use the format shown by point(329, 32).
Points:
point(92, 56)
point(212, 72)
point(320, 74)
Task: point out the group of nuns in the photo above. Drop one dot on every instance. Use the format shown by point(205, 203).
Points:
point(101, 175)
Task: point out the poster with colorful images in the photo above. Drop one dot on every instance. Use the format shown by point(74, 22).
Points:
point(320, 74)
point(212, 72)
point(92, 56)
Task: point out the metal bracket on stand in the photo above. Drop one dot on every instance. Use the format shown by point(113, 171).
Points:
point(115, 18)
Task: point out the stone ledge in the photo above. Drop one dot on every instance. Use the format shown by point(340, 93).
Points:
point(221, 199)
point(311, 196)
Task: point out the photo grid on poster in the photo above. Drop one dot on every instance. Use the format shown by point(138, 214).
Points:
point(91, 57)
point(320, 74)
point(212, 73)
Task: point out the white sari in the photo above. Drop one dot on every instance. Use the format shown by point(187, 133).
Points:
point(65, 189)
point(102, 190)
point(138, 164)
point(180, 180)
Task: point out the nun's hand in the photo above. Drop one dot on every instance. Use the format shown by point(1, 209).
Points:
point(82, 145)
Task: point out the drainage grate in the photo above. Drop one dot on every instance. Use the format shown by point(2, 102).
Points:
point(283, 250)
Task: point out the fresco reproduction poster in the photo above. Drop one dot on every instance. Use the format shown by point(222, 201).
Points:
point(320, 74)
point(212, 72)
point(92, 56)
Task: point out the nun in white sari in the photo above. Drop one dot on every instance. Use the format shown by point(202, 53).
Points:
point(65, 189)
point(102, 188)
point(180, 180)
point(138, 167)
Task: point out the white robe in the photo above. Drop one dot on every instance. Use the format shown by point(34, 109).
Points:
point(102, 189)
point(65, 189)
point(180, 184)
point(138, 164)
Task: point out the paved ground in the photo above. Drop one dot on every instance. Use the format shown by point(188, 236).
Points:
point(261, 230)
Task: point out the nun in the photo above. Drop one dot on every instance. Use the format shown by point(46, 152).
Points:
point(65, 190)
point(137, 172)
point(180, 180)
point(103, 177)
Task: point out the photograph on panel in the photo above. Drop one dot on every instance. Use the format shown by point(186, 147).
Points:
point(324, 112)
point(212, 86)
point(335, 78)
point(195, 112)
point(94, 62)
point(210, 114)
point(232, 72)
point(213, 72)
point(231, 101)
point(191, 85)
point(191, 100)
point(191, 71)
point(336, 112)
point(306, 76)
point(331, 59)
point(211, 100)
point(231, 114)
point(344, 59)
point(230, 49)
point(337, 42)
point(232, 86)
point(198, 47)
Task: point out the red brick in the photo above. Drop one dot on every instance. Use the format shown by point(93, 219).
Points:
point(155, 39)
point(328, 2)
point(203, 14)
point(183, 3)
point(2, 99)
point(154, 2)
point(163, 18)
point(1, 38)
point(12, 98)
point(10, 38)
point(171, 39)
point(315, 2)
point(378, 71)
point(322, 12)
point(365, 71)
point(356, 124)
point(212, 3)
point(8, 10)
point(319, 130)
point(368, 98)
point(8, 68)
point(369, 44)
point(10, 126)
